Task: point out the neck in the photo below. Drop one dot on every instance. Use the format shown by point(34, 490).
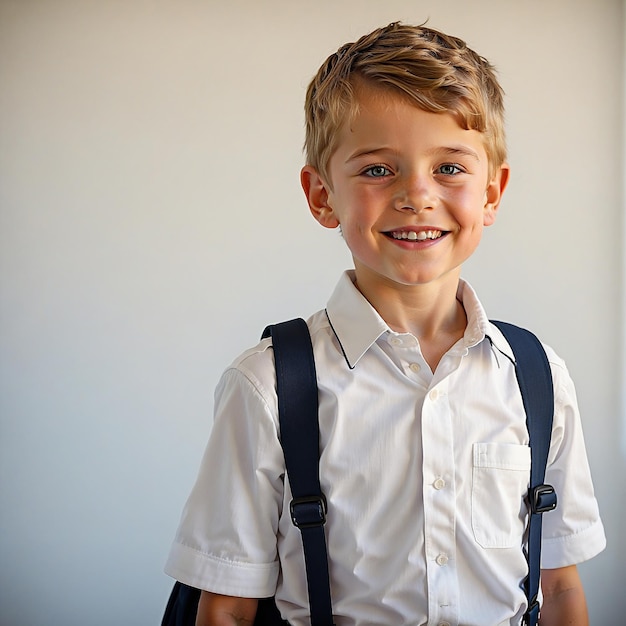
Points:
point(430, 312)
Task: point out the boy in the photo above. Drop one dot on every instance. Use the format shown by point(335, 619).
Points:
point(424, 448)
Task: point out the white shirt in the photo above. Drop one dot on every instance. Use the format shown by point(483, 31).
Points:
point(425, 475)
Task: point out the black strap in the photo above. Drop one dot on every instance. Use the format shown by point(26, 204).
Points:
point(535, 382)
point(296, 386)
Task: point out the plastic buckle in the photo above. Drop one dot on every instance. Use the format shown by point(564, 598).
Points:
point(542, 499)
point(308, 512)
point(532, 613)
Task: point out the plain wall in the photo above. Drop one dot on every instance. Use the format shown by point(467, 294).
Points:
point(151, 224)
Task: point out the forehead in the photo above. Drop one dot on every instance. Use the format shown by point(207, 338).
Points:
point(385, 118)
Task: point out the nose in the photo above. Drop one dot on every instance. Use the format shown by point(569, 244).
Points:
point(415, 193)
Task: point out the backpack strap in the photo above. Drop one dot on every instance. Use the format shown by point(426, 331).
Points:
point(535, 382)
point(296, 387)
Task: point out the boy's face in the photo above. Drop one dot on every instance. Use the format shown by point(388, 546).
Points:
point(410, 190)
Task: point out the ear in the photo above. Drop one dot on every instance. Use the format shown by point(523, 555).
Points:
point(317, 195)
point(494, 192)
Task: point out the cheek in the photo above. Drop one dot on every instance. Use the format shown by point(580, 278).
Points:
point(356, 208)
point(469, 205)
point(352, 231)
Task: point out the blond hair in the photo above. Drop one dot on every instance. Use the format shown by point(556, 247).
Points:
point(437, 72)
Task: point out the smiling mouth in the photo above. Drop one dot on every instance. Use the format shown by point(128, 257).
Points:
point(411, 235)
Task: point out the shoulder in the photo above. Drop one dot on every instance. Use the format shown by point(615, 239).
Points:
point(566, 417)
point(561, 380)
point(254, 368)
point(557, 364)
point(562, 383)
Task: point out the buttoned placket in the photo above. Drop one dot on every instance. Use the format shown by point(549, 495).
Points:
point(410, 358)
point(438, 474)
point(439, 493)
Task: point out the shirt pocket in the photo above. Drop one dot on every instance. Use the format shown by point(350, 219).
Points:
point(500, 479)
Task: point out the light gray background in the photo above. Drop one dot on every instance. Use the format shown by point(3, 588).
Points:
point(152, 223)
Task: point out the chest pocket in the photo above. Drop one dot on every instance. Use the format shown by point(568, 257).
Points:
point(500, 479)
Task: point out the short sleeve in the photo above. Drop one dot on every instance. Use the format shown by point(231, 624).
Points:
point(573, 532)
point(226, 541)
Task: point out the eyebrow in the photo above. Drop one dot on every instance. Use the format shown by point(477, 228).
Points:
point(368, 152)
point(458, 150)
point(447, 150)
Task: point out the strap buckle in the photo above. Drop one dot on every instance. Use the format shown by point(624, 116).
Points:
point(542, 499)
point(308, 511)
point(531, 617)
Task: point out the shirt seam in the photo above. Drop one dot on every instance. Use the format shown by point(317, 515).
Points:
point(218, 559)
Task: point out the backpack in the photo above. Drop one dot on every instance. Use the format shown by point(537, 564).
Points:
point(296, 385)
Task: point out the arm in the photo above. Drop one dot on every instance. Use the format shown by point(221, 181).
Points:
point(216, 610)
point(564, 601)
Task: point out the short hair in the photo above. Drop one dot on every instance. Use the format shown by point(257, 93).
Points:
point(437, 72)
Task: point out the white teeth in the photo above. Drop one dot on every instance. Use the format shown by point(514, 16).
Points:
point(422, 235)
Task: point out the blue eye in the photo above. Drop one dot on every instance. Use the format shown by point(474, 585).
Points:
point(377, 171)
point(449, 169)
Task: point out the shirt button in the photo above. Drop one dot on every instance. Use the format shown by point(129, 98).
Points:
point(415, 367)
point(439, 483)
point(442, 559)
point(444, 623)
point(395, 341)
point(433, 395)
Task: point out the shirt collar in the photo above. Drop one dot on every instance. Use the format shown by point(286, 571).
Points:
point(357, 325)
point(355, 322)
point(478, 325)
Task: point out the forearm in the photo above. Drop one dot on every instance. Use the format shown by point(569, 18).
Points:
point(564, 602)
point(217, 610)
point(567, 609)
